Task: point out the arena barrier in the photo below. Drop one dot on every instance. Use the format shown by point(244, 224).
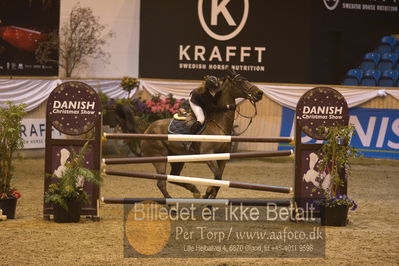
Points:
point(201, 181)
point(196, 138)
point(197, 157)
point(171, 201)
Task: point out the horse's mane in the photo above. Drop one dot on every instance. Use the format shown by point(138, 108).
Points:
point(201, 89)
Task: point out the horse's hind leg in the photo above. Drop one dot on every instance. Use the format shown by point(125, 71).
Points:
point(161, 169)
point(176, 170)
point(217, 167)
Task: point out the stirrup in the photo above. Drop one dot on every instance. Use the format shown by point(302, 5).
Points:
point(187, 145)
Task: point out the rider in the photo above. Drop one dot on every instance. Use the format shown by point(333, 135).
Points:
point(204, 100)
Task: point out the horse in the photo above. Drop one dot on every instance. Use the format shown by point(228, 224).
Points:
point(218, 123)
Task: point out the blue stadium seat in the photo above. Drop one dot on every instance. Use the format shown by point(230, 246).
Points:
point(371, 78)
point(386, 45)
point(370, 61)
point(389, 78)
point(353, 77)
point(387, 62)
point(396, 49)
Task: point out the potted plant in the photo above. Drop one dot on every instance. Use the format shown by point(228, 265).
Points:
point(335, 165)
point(129, 84)
point(10, 140)
point(67, 195)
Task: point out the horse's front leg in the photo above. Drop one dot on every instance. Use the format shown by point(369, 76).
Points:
point(217, 167)
point(176, 169)
point(161, 169)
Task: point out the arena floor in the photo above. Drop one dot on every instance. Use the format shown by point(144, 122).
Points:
point(370, 237)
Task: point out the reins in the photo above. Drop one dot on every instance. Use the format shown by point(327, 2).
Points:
point(233, 80)
point(251, 100)
point(247, 117)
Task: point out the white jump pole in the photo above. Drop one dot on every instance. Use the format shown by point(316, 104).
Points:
point(201, 181)
point(198, 138)
point(171, 201)
point(197, 157)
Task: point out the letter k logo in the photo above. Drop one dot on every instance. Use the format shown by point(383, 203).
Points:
point(221, 8)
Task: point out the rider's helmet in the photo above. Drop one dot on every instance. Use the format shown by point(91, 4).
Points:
point(212, 83)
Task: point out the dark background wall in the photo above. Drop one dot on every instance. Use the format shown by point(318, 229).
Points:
point(341, 37)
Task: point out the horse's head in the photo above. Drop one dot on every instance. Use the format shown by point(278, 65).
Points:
point(242, 88)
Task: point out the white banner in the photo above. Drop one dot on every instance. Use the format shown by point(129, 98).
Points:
point(33, 131)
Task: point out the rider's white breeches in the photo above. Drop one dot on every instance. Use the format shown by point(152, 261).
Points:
point(199, 113)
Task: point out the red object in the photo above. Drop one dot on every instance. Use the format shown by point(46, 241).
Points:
point(16, 194)
point(22, 38)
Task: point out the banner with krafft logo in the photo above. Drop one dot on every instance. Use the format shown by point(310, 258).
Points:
point(192, 38)
point(287, 41)
point(33, 132)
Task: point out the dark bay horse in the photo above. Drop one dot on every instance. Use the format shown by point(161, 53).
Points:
point(218, 123)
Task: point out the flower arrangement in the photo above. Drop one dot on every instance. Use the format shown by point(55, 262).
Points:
point(128, 84)
point(13, 193)
point(10, 140)
point(144, 112)
point(342, 200)
point(336, 154)
point(158, 107)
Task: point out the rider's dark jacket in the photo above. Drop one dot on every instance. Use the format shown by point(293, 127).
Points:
point(203, 98)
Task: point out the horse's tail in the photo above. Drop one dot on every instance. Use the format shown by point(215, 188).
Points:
point(125, 116)
point(129, 123)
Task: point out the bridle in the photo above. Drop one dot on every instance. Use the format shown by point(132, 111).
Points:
point(250, 97)
point(238, 84)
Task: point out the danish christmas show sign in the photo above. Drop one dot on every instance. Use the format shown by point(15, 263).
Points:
point(320, 106)
point(73, 108)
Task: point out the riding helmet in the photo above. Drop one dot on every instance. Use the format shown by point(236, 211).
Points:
point(212, 83)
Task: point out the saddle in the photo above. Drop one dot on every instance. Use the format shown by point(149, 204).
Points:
point(182, 123)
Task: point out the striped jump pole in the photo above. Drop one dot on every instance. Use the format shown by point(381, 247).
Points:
point(244, 202)
point(196, 157)
point(201, 181)
point(201, 138)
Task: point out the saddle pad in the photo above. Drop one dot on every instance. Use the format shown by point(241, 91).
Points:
point(178, 127)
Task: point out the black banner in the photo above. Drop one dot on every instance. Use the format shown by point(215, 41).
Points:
point(23, 24)
point(271, 41)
